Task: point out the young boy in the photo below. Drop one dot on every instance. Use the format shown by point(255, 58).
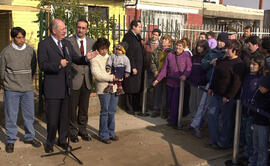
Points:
point(119, 65)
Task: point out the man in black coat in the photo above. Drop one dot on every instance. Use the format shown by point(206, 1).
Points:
point(55, 55)
point(132, 84)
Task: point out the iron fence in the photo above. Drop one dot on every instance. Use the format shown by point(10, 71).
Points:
point(117, 26)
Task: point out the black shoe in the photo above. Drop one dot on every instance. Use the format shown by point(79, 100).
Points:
point(85, 137)
point(9, 147)
point(33, 142)
point(164, 116)
point(65, 146)
point(131, 112)
point(74, 138)
point(155, 114)
point(114, 138)
point(106, 141)
point(48, 148)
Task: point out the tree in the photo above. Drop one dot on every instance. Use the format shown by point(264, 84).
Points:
point(72, 10)
point(67, 10)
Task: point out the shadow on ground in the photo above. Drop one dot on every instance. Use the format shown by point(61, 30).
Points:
point(185, 140)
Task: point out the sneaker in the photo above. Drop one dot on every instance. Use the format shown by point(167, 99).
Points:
point(9, 147)
point(196, 133)
point(119, 92)
point(106, 141)
point(155, 114)
point(33, 142)
point(108, 89)
point(164, 115)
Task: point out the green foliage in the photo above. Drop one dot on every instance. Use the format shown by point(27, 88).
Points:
point(70, 11)
point(67, 10)
point(99, 27)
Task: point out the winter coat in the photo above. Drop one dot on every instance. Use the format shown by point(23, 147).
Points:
point(212, 54)
point(132, 84)
point(174, 67)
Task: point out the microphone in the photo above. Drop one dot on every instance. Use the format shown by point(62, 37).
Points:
point(66, 53)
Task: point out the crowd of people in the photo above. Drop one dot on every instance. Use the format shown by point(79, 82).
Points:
point(227, 69)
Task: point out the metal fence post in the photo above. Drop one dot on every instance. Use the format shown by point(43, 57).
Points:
point(181, 104)
point(41, 30)
point(234, 161)
point(143, 113)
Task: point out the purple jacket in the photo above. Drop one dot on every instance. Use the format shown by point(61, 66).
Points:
point(170, 68)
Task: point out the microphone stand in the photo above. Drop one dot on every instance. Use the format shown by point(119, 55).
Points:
point(69, 149)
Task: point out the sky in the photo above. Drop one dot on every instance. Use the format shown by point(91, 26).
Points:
point(248, 3)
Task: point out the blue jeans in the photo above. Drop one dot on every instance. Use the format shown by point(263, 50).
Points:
point(108, 103)
point(246, 134)
point(197, 119)
point(260, 146)
point(220, 121)
point(12, 100)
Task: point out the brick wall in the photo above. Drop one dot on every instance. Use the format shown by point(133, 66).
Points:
point(195, 19)
point(130, 13)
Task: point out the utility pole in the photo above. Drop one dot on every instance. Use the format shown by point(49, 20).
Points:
point(261, 4)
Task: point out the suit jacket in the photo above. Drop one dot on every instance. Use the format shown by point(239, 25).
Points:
point(132, 84)
point(56, 83)
point(79, 72)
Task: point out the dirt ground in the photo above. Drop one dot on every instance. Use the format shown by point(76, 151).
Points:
point(144, 141)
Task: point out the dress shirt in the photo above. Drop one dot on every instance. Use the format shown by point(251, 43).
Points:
point(84, 43)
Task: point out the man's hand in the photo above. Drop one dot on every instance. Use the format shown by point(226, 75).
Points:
point(155, 82)
point(126, 75)
point(224, 100)
point(262, 89)
point(134, 71)
point(91, 54)
point(183, 78)
point(156, 74)
point(213, 62)
point(108, 70)
point(63, 63)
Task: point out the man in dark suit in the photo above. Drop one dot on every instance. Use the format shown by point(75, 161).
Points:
point(81, 84)
point(132, 84)
point(54, 56)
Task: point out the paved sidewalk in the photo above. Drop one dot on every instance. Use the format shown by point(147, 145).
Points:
point(144, 141)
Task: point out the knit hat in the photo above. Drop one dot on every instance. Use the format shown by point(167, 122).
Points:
point(123, 46)
point(231, 31)
point(119, 47)
point(223, 36)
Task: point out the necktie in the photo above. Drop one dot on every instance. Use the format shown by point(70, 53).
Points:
point(60, 48)
point(82, 48)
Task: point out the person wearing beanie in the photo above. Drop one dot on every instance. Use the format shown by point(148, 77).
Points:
point(232, 33)
point(207, 63)
point(119, 65)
